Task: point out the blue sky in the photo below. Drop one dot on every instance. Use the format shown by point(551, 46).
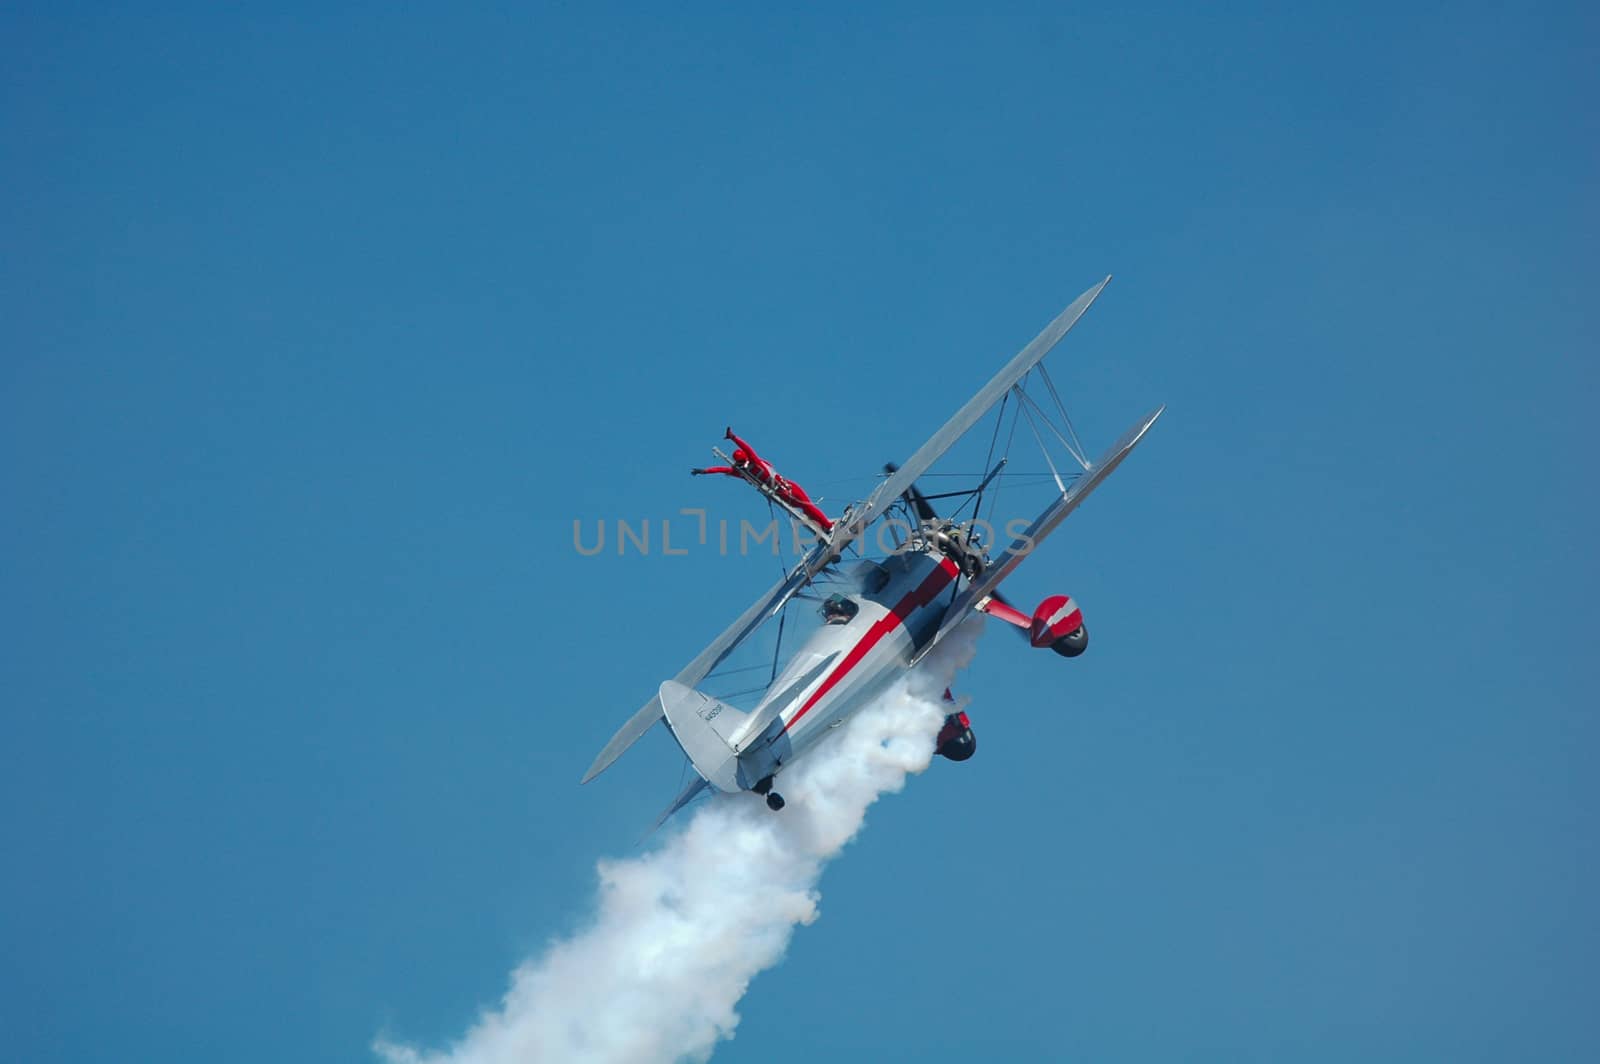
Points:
point(321, 327)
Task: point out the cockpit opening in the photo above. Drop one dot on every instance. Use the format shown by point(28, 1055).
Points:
point(838, 609)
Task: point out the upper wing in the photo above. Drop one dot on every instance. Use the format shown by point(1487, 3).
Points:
point(763, 609)
point(1043, 525)
point(858, 518)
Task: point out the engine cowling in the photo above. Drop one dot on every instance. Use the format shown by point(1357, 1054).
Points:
point(1058, 624)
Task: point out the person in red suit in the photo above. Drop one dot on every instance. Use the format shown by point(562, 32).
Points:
point(747, 462)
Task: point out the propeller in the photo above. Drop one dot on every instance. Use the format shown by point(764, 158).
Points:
point(925, 512)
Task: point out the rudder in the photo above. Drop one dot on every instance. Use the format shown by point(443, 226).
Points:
point(705, 728)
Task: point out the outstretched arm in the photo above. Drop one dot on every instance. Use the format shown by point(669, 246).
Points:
point(727, 471)
point(759, 465)
point(749, 450)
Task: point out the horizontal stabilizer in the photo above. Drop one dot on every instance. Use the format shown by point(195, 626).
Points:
point(626, 736)
point(687, 795)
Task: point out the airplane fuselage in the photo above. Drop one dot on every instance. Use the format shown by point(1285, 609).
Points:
point(888, 621)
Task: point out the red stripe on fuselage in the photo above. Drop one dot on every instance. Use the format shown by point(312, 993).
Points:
point(924, 594)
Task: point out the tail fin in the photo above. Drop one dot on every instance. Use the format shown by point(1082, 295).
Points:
point(714, 733)
point(705, 727)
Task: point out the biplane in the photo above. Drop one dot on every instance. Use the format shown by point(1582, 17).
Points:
point(885, 614)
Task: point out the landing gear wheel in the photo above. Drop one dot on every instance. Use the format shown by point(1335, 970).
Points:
point(774, 801)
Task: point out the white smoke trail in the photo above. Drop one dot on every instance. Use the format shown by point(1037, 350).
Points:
point(681, 931)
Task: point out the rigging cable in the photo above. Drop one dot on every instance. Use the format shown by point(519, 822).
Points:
point(988, 460)
point(1078, 454)
point(994, 500)
point(1044, 450)
point(1045, 417)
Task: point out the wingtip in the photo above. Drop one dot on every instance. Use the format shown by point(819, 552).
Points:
point(1088, 297)
point(602, 761)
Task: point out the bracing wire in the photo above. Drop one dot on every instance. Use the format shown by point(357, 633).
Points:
point(729, 696)
point(1066, 417)
point(1043, 449)
point(1045, 417)
point(734, 672)
point(988, 461)
point(994, 500)
point(777, 647)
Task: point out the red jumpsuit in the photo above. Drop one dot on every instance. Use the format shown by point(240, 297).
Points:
point(745, 458)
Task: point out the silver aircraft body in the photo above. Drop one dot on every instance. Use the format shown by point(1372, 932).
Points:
point(886, 614)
